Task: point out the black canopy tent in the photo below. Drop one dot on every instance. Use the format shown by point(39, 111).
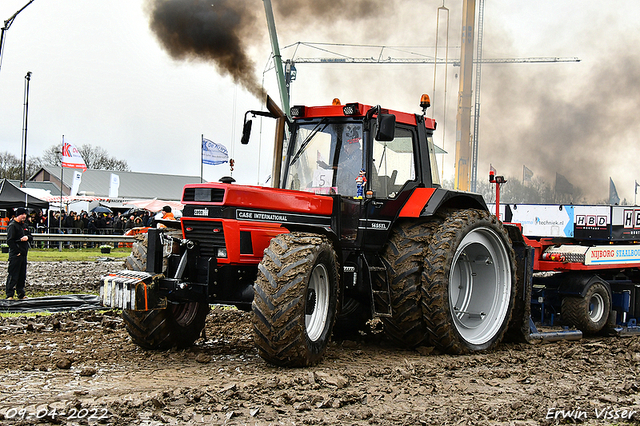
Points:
point(12, 197)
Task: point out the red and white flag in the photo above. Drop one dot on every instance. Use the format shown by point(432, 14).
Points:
point(71, 157)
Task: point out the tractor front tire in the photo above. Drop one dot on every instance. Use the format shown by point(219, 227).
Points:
point(177, 325)
point(469, 285)
point(295, 299)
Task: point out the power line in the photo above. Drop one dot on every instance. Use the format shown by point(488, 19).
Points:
point(7, 25)
point(335, 57)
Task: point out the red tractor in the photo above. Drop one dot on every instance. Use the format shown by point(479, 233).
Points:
point(354, 227)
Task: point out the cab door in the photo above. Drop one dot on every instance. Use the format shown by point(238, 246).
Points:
point(393, 174)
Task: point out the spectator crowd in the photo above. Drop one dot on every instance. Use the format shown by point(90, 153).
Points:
point(82, 222)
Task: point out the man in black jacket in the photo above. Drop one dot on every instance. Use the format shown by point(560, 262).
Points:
point(18, 239)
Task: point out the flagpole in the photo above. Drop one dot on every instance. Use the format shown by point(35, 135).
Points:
point(201, 155)
point(61, 180)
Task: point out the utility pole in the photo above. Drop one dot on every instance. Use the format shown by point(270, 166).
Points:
point(7, 25)
point(25, 117)
point(277, 58)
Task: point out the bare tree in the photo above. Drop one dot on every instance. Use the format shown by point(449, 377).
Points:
point(11, 166)
point(94, 157)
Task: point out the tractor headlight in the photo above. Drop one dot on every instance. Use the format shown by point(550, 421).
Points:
point(297, 111)
point(351, 109)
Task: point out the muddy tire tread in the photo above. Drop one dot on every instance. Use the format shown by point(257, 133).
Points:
point(575, 310)
point(279, 305)
point(137, 260)
point(158, 329)
point(404, 257)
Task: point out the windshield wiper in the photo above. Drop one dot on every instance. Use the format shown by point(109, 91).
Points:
point(306, 141)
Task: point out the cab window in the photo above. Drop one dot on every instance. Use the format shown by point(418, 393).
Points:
point(394, 164)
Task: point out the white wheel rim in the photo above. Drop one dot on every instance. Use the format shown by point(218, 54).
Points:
point(480, 286)
point(316, 316)
point(596, 307)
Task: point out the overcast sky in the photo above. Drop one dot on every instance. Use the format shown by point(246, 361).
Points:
point(101, 76)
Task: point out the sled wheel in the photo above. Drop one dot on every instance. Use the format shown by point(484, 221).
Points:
point(589, 313)
point(469, 286)
point(178, 325)
point(295, 299)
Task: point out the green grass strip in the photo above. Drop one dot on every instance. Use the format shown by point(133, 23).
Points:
point(72, 255)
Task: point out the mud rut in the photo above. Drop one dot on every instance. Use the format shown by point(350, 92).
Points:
point(83, 366)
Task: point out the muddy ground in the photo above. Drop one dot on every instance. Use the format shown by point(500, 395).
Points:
point(81, 368)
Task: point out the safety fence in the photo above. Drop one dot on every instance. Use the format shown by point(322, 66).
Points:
point(53, 240)
point(67, 230)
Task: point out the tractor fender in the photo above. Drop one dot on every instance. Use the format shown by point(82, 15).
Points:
point(322, 230)
point(425, 202)
point(577, 284)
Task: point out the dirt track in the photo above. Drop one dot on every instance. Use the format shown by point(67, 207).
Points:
point(83, 365)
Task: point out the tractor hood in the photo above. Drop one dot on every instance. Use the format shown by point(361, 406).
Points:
point(257, 199)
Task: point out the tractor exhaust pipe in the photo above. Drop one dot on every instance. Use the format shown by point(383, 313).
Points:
point(273, 108)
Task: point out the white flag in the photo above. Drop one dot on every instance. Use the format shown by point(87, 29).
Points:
point(614, 199)
point(114, 186)
point(214, 153)
point(71, 157)
point(77, 177)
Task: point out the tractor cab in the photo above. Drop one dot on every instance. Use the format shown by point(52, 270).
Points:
point(358, 151)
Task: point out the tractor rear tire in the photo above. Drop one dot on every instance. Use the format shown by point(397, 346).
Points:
point(295, 299)
point(589, 313)
point(177, 325)
point(404, 258)
point(469, 284)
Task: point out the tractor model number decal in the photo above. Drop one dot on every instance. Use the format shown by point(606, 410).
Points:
point(380, 225)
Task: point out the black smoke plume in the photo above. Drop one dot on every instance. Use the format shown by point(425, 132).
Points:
point(221, 31)
point(212, 30)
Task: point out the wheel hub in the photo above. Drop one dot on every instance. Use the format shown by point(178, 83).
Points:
point(311, 302)
point(317, 302)
point(480, 286)
point(596, 308)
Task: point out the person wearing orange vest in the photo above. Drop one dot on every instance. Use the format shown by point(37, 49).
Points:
point(166, 213)
point(4, 222)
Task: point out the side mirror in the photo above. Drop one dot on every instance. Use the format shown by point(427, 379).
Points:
point(246, 132)
point(386, 127)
